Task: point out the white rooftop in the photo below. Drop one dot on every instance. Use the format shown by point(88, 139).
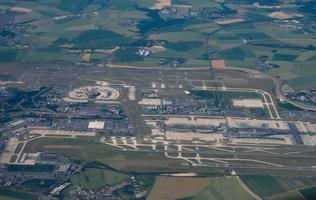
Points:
point(96, 125)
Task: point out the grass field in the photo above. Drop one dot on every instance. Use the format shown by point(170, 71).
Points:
point(86, 24)
point(224, 188)
point(92, 178)
point(172, 187)
point(87, 149)
point(281, 188)
point(292, 195)
point(309, 193)
point(7, 198)
point(9, 194)
point(264, 185)
point(31, 168)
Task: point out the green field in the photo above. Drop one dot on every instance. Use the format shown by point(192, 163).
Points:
point(10, 194)
point(87, 149)
point(309, 193)
point(130, 24)
point(281, 188)
point(264, 185)
point(224, 188)
point(92, 178)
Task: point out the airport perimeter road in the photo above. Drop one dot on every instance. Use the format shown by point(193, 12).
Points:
point(266, 97)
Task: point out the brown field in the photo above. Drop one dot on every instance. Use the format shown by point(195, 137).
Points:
point(106, 51)
point(228, 21)
point(218, 64)
point(283, 15)
point(86, 56)
point(6, 198)
point(224, 188)
point(20, 9)
point(160, 4)
point(157, 48)
point(173, 187)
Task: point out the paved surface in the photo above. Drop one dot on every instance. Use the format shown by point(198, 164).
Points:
point(191, 153)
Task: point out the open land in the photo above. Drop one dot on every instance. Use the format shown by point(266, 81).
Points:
point(157, 99)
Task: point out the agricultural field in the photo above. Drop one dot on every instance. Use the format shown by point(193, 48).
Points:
point(275, 187)
point(197, 188)
point(158, 99)
point(11, 194)
point(63, 30)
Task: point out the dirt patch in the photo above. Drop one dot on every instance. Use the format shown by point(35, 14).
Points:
point(189, 174)
point(283, 15)
point(150, 102)
point(168, 188)
point(86, 56)
point(20, 9)
point(218, 64)
point(157, 48)
point(106, 51)
point(248, 103)
point(132, 93)
point(160, 4)
point(228, 21)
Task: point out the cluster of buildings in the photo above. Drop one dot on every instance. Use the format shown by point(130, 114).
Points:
point(152, 104)
point(44, 113)
point(289, 23)
point(50, 168)
point(242, 120)
point(264, 63)
point(202, 12)
point(180, 106)
point(300, 24)
point(303, 96)
point(130, 188)
point(233, 130)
